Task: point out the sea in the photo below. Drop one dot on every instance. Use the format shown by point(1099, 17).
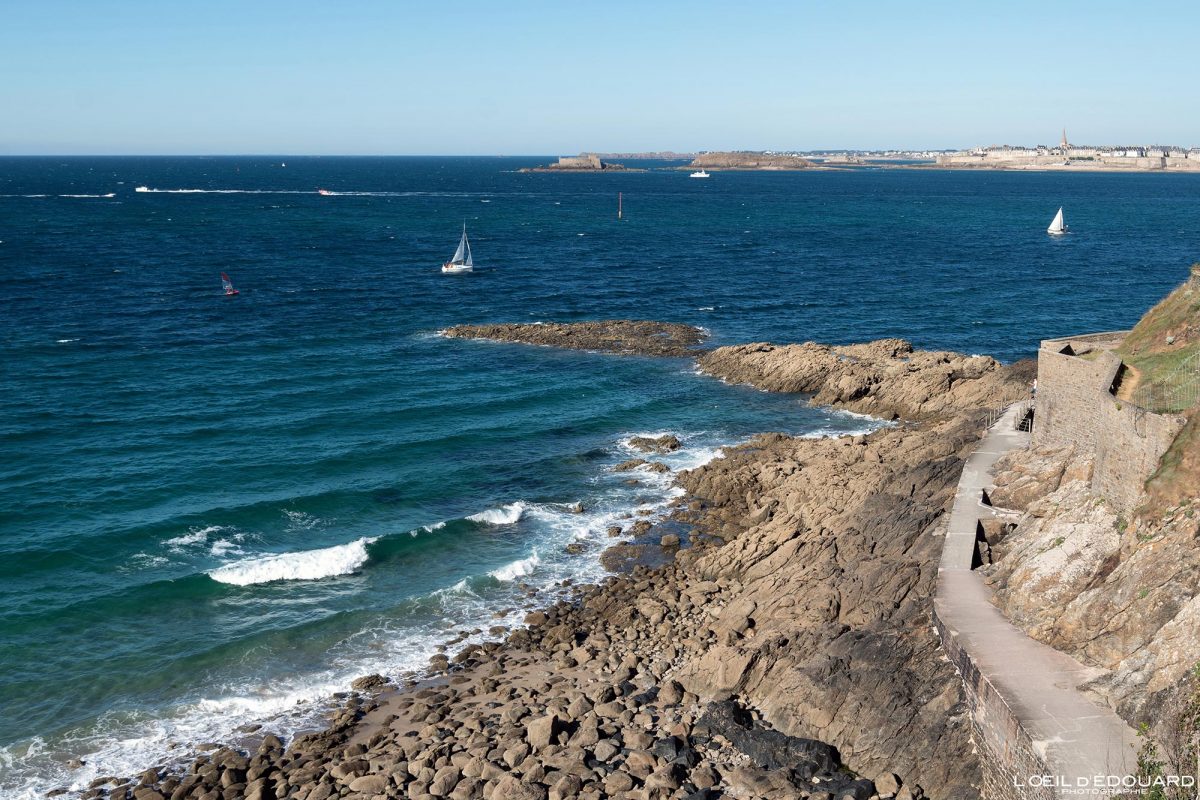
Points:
point(216, 512)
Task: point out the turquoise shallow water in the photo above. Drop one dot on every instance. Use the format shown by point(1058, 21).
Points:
point(212, 508)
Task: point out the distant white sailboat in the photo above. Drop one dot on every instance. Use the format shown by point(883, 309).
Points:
point(699, 174)
point(462, 261)
point(1057, 226)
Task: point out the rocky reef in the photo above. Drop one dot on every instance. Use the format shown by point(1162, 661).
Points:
point(785, 652)
point(749, 160)
point(885, 378)
point(624, 337)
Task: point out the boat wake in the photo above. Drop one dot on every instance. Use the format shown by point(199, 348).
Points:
point(148, 190)
point(81, 196)
point(320, 192)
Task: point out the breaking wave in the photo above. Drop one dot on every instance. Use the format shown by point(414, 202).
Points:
point(505, 515)
point(517, 569)
point(307, 565)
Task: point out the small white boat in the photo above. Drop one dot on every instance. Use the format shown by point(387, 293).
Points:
point(462, 261)
point(699, 174)
point(1057, 226)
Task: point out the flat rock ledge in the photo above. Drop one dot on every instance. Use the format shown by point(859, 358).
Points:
point(620, 336)
point(885, 378)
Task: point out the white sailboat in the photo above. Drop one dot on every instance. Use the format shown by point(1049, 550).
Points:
point(462, 261)
point(699, 174)
point(1057, 226)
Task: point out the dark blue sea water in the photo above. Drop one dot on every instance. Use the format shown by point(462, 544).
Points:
point(212, 508)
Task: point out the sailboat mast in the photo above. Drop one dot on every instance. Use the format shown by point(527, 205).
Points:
point(619, 210)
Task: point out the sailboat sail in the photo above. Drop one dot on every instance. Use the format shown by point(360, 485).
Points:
point(1057, 225)
point(462, 261)
point(463, 254)
point(227, 284)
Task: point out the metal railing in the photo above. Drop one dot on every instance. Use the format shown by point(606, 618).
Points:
point(1178, 390)
point(992, 415)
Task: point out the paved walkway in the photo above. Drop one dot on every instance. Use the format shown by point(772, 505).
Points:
point(1075, 735)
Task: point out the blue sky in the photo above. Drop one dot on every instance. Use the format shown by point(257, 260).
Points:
point(463, 77)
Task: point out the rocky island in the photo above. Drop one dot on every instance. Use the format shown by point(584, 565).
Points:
point(585, 162)
point(749, 160)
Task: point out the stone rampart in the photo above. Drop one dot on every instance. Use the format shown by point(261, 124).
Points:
point(1076, 405)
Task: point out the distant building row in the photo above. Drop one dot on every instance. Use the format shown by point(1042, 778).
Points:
point(1069, 155)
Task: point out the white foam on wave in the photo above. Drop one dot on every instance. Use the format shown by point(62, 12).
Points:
point(865, 424)
point(223, 547)
point(696, 457)
point(517, 569)
point(144, 561)
point(505, 515)
point(65, 341)
point(307, 565)
point(193, 537)
point(94, 196)
point(462, 588)
point(437, 526)
point(301, 520)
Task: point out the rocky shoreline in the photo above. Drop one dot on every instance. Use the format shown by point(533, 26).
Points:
point(787, 645)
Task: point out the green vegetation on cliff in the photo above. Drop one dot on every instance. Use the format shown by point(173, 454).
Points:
point(1163, 351)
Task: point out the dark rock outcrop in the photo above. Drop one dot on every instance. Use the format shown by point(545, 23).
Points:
point(624, 337)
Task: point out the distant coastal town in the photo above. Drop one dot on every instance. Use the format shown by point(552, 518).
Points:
point(1077, 157)
point(1063, 156)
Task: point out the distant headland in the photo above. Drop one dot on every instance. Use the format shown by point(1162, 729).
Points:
point(716, 160)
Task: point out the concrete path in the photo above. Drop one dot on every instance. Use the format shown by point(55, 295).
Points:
point(1074, 735)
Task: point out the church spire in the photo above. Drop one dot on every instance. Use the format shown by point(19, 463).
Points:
point(1064, 139)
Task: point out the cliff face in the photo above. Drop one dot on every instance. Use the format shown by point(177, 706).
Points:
point(748, 160)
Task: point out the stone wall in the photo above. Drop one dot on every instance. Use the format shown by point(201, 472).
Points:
point(1075, 404)
point(585, 161)
point(1006, 749)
